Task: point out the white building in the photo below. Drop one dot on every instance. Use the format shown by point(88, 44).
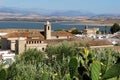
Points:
point(7, 55)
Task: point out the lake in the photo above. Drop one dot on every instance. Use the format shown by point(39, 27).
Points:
point(40, 25)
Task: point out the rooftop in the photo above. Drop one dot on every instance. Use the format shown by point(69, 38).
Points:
point(84, 40)
point(61, 33)
point(116, 36)
point(25, 34)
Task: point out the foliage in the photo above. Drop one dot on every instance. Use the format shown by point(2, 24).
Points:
point(65, 62)
point(106, 56)
point(118, 44)
point(3, 74)
point(73, 64)
point(29, 65)
point(75, 31)
point(97, 32)
point(61, 51)
point(58, 57)
point(32, 56)
point(67, 77)
point(112, 72)
point(45, 76)
point(105, 30)
point(115, 28)
point(94, 66)
point(95, 70)
point(81, 44)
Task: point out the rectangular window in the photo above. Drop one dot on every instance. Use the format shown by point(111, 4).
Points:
point(57, 36)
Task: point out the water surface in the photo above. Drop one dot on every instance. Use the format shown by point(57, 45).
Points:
point(55, 25)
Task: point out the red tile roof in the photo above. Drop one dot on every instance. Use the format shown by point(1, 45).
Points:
point(61, 33)
point(16, 34)
point(25, 34)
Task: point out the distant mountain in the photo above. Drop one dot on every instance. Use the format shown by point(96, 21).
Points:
point(43, 12)
point(72, 13)
point(16, 10)
point(107, 16)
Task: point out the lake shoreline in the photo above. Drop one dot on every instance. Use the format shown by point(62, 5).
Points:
point(66, 25)
point(81, 23)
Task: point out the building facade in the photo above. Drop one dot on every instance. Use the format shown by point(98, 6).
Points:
point(90, 30)
point(21, 41)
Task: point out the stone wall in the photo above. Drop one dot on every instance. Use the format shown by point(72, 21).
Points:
point(40, 47)
point(61, 37)
point(20, 46)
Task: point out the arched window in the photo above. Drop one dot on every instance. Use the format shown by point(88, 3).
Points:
point(43, 49)
point(37, 41)
point(29, 42)
point(48, 27)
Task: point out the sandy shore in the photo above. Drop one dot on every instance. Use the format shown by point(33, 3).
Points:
point(100, 22)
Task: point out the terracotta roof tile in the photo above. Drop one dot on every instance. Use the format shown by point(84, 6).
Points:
point(16, 34)
point(99, 42)
point(25, 34)
point(61, 33)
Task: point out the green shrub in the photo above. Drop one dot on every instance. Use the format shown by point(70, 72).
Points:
point(3, 74)
point(61, 63)
point(113, 71)
point(32, 56)
point(73, 64)
point(95, 70)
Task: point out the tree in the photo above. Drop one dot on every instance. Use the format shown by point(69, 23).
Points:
point(105, 30)
point(3, 74)
point(115, 28)
point(75, 31)
point(28, 65)
point(97, 32)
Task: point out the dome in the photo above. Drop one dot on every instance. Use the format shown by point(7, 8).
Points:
point(47, 22)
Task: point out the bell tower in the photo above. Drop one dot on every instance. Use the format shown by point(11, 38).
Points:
point(47, 29)
point(86, 26)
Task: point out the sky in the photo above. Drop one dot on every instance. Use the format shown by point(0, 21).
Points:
point(94, 6)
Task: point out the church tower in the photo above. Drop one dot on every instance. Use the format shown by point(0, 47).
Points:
point(47, 30)
point(86, 26)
